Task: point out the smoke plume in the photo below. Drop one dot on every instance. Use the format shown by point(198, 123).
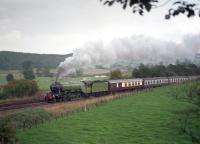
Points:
point(136, 49)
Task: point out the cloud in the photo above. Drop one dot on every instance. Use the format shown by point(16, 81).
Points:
point(52, 26)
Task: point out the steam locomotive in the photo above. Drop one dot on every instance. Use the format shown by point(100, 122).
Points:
point(62, 92)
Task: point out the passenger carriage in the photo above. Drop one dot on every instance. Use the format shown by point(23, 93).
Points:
point(125, 84)
point(154, 82)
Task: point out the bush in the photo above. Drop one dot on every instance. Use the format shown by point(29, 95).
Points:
point(20, 88)
point(30, 118)
point(198, 95)
point(7, 132)
point(9, 77)
point(188, 122)
point(188, 119)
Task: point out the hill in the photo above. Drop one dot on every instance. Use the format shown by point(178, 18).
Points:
point(13, 60)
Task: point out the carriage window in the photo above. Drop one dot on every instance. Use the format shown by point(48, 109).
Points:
point(127, 84)
point(123, 84)
point(117, 85)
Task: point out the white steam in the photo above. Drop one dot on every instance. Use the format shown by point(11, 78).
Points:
point(136, 49)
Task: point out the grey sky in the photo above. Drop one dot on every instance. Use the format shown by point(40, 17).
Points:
point(60, 26)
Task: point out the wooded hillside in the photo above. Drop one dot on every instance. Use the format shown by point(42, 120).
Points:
point(14, 60)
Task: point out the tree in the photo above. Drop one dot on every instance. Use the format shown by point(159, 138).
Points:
point(9, 77)
point(142, 71)
point(190, 9)
point(27, 70)
point(115, 74)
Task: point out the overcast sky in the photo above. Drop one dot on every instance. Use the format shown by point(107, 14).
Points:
point(60, 26)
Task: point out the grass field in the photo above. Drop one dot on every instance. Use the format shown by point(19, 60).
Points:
point(146, 118)
point(2, 79)
point(44, 82)
point(3, 74)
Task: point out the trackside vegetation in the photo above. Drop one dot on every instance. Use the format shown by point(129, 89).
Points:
point(21, 120)
point(18, 88)
point(156, 116)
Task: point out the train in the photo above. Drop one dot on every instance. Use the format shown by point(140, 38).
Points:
point(67, 92)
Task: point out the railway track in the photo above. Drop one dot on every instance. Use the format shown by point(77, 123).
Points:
point(19, 105)
point(34, 103)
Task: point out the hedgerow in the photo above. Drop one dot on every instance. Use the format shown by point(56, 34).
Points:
point(19, 88)
point(30, 118)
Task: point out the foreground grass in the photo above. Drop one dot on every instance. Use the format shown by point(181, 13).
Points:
point(146, 118)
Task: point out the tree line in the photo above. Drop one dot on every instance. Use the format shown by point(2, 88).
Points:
point(178, 69)
point(160, 70)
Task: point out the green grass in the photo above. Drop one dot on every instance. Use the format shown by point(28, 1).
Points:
point(3, 73)
point(2, 79)
point(44, 82)
point(146, 118)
